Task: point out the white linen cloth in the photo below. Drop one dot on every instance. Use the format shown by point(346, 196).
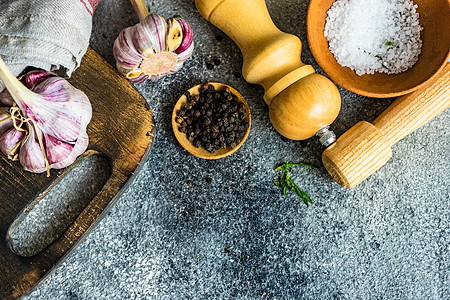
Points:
point(52, 35)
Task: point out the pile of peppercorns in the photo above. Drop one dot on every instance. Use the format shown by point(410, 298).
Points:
point(214, 119)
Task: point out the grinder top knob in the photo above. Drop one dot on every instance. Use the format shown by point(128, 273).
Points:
point(301, 102)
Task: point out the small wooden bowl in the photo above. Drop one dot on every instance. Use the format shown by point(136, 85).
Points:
point(201, 152)
point(435, 20)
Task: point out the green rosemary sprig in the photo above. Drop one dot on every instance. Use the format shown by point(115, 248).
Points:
point(286, 183)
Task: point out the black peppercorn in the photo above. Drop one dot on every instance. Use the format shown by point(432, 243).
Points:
point(214, 119)
point(209, 147)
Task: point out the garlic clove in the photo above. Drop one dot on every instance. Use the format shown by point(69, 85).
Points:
point(33, 78)
point(140, 78)
point(10, 141)
point(5, 120)
point(186, 48)
point(174, 36)
point(134, 74)
point(127, 56)
point(61, 155)
point(188, 37)
point(150, 34)
point(6, 99)
point(56, 150)
point(31, 156)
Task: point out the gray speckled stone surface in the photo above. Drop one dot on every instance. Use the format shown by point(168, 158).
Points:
point(388, 238)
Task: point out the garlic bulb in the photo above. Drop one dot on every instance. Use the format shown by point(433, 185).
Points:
point(153, 48)
point(43, 120)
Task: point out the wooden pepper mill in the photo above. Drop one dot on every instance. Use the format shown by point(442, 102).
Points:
point(366, 147)
point(301, 102)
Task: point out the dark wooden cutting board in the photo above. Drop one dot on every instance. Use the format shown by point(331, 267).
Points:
point(122, 129)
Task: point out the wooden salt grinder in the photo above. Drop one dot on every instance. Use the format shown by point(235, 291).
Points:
point(301, 102)
point(366, 147)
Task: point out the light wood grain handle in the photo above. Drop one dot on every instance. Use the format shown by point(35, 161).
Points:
point(411, 111)
point(366, 147)
point(300, 101)
point(269, 54)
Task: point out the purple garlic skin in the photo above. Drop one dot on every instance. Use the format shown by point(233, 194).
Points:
point(43, 122)
point(153, 48)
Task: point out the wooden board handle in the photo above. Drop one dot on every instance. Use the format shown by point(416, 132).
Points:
point(300, 101)
point(364, 148)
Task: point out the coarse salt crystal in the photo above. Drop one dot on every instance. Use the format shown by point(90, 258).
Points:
point(371, 36)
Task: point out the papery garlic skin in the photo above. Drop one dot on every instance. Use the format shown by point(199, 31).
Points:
point(45, 125)
point(31, 156)
point(10, 142)
point(153, 48)
point(5, 120)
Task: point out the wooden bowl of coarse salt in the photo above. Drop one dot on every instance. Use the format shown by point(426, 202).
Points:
point(396, 45)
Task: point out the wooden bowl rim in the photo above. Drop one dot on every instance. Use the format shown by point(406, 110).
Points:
point(201, 152)
point(341, 82)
